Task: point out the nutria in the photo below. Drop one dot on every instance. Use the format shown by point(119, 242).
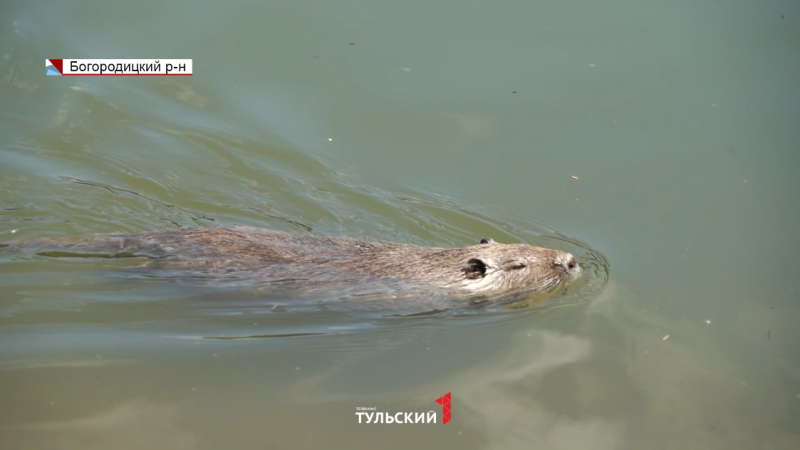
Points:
point(487, 269)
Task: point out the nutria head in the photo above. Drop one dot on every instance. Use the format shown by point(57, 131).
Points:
point(517, 267)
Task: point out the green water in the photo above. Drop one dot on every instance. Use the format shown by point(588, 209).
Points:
point(656, 140)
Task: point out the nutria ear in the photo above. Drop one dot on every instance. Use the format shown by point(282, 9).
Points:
point(475, 269)
point(487, 241)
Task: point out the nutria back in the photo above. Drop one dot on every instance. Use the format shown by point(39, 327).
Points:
point(327, 262)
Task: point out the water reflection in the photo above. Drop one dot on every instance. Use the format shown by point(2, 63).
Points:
point(503, 398)
point(135, 424)
point(507, 398)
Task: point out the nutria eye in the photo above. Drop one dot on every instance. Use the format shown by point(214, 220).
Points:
point(571, 263)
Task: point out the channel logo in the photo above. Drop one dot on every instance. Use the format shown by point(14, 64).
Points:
point(445, 402)
point(369, 414)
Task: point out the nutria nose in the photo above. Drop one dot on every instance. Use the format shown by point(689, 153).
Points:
point(571, 264)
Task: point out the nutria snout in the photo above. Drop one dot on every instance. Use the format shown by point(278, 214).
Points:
point(327, 264)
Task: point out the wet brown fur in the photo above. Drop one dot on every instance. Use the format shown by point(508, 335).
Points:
point(488, 268)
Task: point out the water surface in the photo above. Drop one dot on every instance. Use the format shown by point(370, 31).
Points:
point(658, 142)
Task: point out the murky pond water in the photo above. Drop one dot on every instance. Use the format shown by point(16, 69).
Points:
point(657, 142)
